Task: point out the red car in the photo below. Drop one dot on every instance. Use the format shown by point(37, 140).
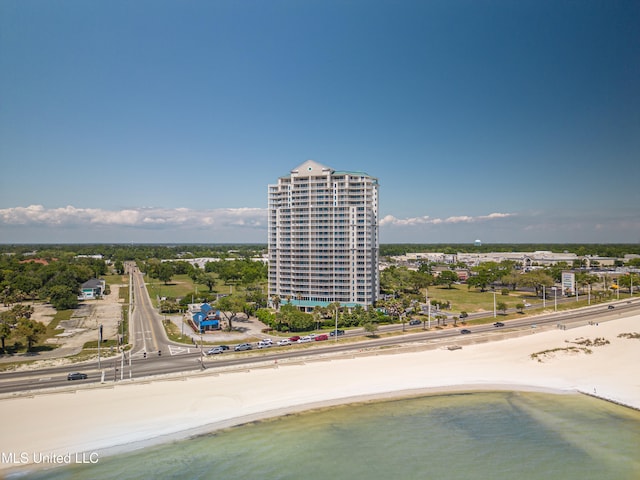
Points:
point(319, 338)
point(295, 338)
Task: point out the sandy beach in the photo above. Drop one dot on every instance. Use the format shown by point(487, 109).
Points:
point(97, 421)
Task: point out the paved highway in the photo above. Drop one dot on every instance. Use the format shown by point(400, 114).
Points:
point(146, 330)
point(148, 335)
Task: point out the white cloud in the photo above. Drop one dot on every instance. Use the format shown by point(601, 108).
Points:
point(149, 217)
point(390, 220)
point(69, 216)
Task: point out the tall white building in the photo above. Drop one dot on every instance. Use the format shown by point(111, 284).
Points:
point(323, 237)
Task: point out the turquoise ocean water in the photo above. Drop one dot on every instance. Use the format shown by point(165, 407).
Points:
point(503, 435)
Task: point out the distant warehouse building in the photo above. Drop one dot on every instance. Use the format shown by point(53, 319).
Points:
point(323, 237)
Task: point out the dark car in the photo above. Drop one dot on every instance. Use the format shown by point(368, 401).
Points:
point(77, 376)
point(414, 322)
point(498, 324)
point(295, 338)
point(336, 332)
point(242, 346)
point(465, 330)
point(611, 307)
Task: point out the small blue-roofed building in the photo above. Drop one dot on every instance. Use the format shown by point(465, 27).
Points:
point(205, 318)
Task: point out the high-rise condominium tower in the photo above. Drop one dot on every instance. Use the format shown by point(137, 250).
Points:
point(323, 237)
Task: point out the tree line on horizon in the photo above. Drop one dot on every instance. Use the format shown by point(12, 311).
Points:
point(124, 251)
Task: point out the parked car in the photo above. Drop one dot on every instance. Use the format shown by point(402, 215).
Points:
point(320, 338)
point(215, 351)
point(312, 336)
point(77, 376)
point(526, 304)
point(333, 333)
point(242, 346)
point(498, 324)
point(295, 338)
point(465, 331)
point(414, 322)
point(284, 342)
point(611, 307)
point(267, 340)
point(304, 339)
point(263, 344)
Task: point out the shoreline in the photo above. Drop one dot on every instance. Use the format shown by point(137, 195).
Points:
point(127, 417)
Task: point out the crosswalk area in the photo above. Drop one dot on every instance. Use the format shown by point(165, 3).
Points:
point(172, 351)
point(177, 350)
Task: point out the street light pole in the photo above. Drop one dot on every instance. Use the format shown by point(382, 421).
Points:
point(201, 352)
point(494, 304)
point(555, 299)
point(544, 297)
point(428, 311)
point(99, 342)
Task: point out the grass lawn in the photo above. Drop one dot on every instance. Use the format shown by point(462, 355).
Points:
point(116, 279)
point(181, 285)
point(464, 300)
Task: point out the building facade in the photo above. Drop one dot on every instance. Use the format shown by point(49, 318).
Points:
point(323, 237)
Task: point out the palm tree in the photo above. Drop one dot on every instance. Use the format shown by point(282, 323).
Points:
point(276, 300)
point(317, 314)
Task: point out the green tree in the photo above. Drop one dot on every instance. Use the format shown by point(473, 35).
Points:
point(276, 301)
point(7, 298)
point(165, 272)
point(419, 280)
point(371, 328)
point(27, 284)
point(512, 279)
point(556, 270)
point(8, 320)
point(501, 307)
point(536, 279)
point(448, 278)
point(169, 306)
point(63, 297)
point(583, 279)
point(629, 280)
point(30, 330)
point(208, 278)
point(484, 275)
point(230, 306)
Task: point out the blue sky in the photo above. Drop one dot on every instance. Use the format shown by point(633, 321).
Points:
point(164, 121)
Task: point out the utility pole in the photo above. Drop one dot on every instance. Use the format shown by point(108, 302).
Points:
point(494, 304)
point(428, 310)
point(201, 352)
point(99, 342)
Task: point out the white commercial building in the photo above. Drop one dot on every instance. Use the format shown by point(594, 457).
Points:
point(323, 237)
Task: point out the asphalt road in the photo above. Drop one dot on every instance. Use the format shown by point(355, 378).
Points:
point(148, 335)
